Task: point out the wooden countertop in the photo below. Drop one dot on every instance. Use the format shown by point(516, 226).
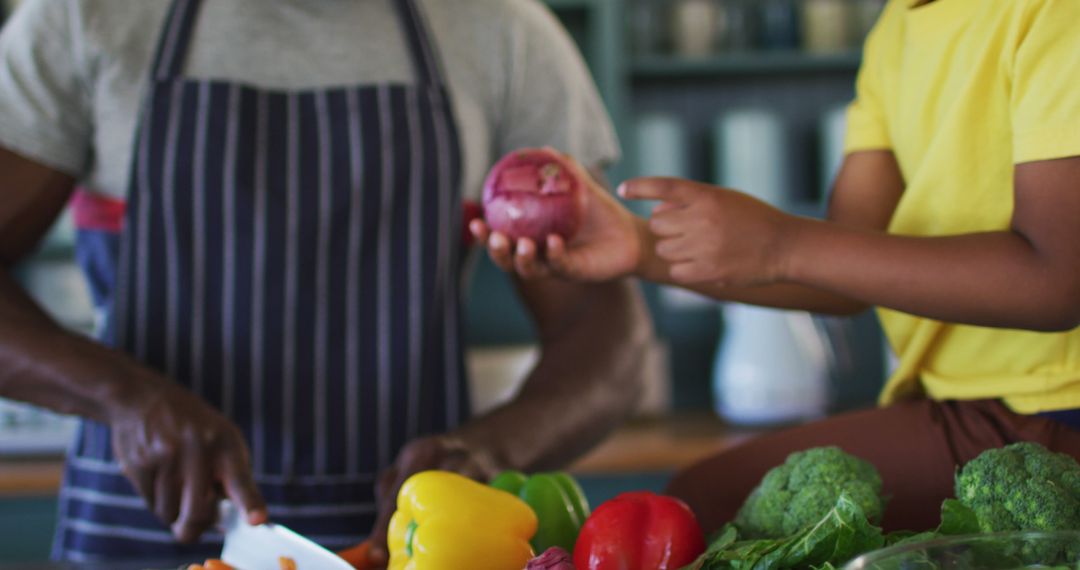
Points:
point(29, 477)
point(662, 444)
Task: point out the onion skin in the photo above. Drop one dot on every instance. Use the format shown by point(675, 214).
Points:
point(533, 193)
point(554, 558)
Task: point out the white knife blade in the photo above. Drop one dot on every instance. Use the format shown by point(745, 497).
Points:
point(261, 547)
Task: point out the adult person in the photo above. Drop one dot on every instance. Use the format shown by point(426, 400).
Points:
point(955, 215)
point(272, 228)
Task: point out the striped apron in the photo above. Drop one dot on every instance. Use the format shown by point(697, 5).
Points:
point(288, 257)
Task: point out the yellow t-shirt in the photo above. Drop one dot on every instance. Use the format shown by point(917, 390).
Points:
point(960, 91)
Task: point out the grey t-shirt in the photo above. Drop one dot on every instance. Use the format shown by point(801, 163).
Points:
point(72, 73)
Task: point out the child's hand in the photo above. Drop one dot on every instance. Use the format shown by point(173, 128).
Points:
point(707, 234)
point(607, 246)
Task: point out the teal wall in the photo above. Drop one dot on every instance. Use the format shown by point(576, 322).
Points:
point(26, 527)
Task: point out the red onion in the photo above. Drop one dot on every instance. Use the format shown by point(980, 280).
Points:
point(553, 558)
point(533, 193)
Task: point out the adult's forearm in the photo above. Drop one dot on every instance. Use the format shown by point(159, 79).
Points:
point(587, 381)
point(43, 364)
point(995, 279)
point(181, 455)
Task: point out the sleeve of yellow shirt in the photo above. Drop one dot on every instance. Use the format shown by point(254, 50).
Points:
point(867, 128)
point(1046, 82)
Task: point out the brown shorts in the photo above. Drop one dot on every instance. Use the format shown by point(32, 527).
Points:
point(917, 446)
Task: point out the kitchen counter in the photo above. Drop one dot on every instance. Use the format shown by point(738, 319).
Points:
point(644, 445)
point(30, 477)
point(642, 455)
point(662, 444)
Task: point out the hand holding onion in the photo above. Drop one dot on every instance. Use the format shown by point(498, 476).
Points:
point(545, 215)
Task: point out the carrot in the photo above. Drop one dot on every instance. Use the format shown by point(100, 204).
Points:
point(357, 556)
point(217, 565)
point(287, 563)
point(196, 567)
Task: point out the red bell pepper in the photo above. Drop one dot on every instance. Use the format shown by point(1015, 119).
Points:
point(639, 531)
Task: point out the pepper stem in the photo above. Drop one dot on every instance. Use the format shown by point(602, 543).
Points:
point(410, 533)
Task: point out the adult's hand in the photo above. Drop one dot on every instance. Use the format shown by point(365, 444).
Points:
point(607, 246)
point(445, 453)
point(183, 456)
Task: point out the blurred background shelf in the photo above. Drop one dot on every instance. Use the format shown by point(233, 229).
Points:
point(564, 5)
point(759, 63)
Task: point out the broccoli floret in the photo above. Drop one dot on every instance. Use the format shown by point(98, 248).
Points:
point(1022, 486)
point(802, 490)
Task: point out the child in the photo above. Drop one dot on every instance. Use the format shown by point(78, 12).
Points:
point(956, 214)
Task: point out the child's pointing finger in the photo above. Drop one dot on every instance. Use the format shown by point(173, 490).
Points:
point(665, 189)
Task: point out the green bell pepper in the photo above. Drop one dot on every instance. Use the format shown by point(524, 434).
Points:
point(557, 500)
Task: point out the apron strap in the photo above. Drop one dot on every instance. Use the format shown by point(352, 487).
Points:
point(180, 22)
point(419, 40)
point(174, 39)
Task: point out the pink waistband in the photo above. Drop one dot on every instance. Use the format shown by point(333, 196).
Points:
point(97, 212)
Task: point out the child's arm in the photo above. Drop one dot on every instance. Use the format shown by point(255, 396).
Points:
point(1027, 277)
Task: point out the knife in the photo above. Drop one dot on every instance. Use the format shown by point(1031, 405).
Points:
point(262, 547)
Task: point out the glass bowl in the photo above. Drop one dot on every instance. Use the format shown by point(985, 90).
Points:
point(1000, 551)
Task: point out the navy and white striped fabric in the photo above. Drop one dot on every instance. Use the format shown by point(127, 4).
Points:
point(293, 258)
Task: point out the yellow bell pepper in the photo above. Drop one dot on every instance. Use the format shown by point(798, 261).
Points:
point(448, 522)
